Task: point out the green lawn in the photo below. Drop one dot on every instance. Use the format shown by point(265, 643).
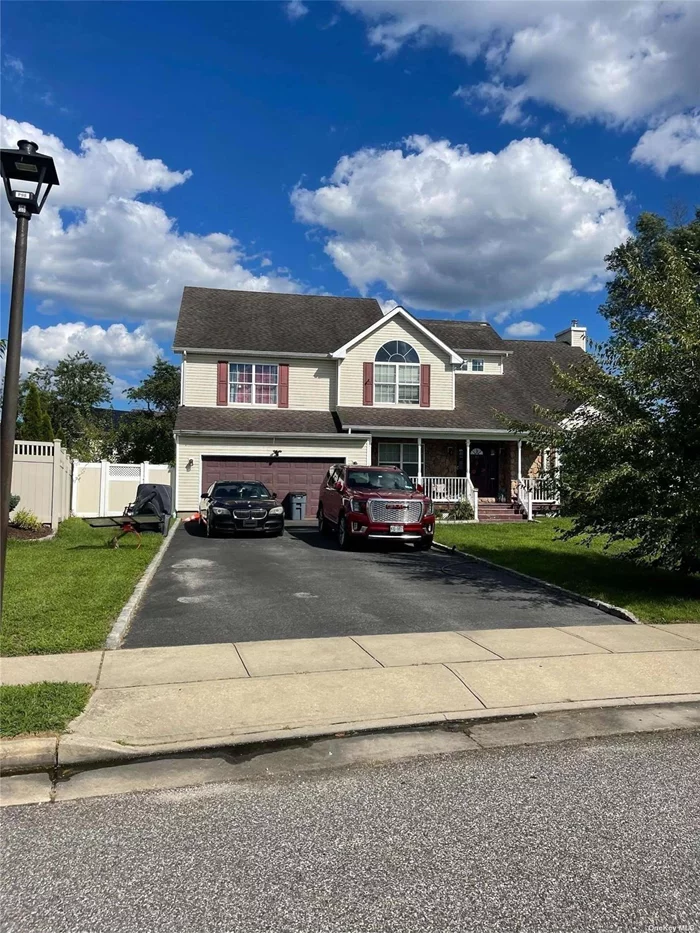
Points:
point(40, 708)
point(652, 595)
point(64, 594)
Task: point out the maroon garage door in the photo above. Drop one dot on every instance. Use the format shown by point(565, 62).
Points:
point(288, 474)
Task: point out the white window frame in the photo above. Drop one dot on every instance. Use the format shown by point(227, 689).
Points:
point(397, 383)
point(402, 458)
point(253, 402)
point(477, 364)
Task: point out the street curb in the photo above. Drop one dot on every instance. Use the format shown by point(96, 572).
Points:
point(121, 626)
point(33, 753)
point(72, 750)
point(579, 597)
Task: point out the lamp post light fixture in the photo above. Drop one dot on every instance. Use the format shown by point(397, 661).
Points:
point(19, 167)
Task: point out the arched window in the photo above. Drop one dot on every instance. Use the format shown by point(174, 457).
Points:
point(397, 374)
point(396, 351)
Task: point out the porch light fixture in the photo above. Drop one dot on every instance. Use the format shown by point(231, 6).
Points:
point(20, 167)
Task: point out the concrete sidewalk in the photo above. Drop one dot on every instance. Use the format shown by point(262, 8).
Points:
point(155, 700)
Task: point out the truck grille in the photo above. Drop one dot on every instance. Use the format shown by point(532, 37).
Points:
point(395, 511)
point(246, 514)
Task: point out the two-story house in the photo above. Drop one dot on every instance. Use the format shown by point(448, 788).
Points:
point(278, 387)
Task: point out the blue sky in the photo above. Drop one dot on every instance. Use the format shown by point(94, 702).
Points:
point(589, 111)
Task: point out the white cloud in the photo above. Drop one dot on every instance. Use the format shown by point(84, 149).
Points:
point(295, 9)
point(14, 65)
point(619, 62)
point(445, 228)
point(524, 329)
point(115, 346)
point(675, 143)
point(98, 249)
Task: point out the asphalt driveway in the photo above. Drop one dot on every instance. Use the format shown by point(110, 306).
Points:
point(302, 586)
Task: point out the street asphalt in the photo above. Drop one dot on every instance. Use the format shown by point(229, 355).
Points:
point(301, 585)
point(597, 836)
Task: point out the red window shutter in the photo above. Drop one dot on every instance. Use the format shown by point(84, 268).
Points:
point(222, 383)
point(283, 385)
point(425, 385)
point(368, 384)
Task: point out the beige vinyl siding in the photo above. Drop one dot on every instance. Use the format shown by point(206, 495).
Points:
point(493, 365)
point(200, 381)
point(341, 447)
point(311, 382)
point(351, 368)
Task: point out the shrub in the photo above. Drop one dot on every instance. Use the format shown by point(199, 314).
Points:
point(461, 511)
point(26, 520)
point(14, 502)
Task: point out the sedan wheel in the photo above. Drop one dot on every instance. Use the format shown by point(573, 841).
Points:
point(210, 526)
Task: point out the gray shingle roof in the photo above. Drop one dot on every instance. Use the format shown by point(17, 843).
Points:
point(219, 319)
point(526, 381)
point(268, 420)
point(465, 335)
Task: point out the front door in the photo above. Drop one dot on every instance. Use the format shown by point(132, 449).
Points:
point(483, 468)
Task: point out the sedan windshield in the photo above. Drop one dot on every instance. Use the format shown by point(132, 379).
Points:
point(240, 491)
point(392, 480)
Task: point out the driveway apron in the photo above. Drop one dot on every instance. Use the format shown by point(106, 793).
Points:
point(302, 586)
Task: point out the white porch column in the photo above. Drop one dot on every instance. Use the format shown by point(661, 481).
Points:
point(420, 459)
point(468, 457)
point(520, 460)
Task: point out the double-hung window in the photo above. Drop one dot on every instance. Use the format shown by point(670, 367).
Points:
point(397, 374)
point(403, 456)
point(253, 383)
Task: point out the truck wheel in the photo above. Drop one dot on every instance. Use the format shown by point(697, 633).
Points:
point(424, 544)
point(344, 537)
point(322, 523)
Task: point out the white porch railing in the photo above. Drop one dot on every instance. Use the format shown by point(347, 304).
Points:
point(533, 491)
point(449, 489)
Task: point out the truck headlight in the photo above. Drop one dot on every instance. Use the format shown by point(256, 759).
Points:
point(217, 510)
point(276, 510)
point(429, 507)
point(358, 505)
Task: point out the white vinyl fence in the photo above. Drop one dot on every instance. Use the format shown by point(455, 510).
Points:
point(105, 488)
point(41, 477)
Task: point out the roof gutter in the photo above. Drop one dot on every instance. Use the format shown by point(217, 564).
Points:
point(280, 434)
point(489, 352)
point(266, 354)
point(412, 427)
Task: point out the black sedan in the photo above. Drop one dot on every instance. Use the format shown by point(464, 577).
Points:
point(240, 506)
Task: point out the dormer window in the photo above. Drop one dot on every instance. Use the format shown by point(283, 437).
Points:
point(397, 374)
point(477, 366)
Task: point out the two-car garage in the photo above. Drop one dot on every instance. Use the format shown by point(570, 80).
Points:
point(281, 475)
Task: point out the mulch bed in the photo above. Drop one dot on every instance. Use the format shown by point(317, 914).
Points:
point(21, 534)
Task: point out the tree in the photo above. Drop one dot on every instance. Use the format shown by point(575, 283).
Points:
point(36, 423)
point(630, 451)
point(147, 433)
point(71, 393)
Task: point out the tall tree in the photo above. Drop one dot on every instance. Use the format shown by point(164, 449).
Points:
point(70, 393)
point(36, 423)
point(147, 433)
point(630, 452)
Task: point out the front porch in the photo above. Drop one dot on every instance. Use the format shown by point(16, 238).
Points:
point(486, 471)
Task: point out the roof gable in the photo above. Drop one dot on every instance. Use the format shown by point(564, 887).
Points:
point(341, 352)
point(228, 320)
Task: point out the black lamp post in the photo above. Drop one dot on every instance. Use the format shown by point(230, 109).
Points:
point(23, 164)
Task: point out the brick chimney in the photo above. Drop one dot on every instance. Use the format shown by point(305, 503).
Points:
point(575, 335)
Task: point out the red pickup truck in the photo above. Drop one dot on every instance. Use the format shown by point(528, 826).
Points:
point(374, 502)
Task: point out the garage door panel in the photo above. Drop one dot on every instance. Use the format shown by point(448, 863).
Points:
point(281, 476)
